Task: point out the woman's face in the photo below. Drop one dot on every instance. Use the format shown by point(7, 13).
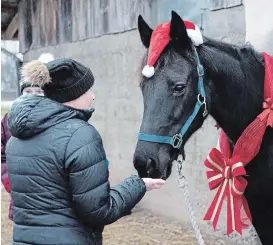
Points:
point(90, 98)
point(33, 90)
point(86, 101)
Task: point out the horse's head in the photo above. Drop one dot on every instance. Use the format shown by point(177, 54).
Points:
point(170, 96)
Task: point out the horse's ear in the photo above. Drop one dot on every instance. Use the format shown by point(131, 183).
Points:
point(145, 31)
point(178, 32)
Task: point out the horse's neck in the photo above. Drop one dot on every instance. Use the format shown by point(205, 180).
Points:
point(234, 78)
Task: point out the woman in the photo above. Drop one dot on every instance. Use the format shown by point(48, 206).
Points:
point(57, 164)
point(25, 88)
point(5, 135)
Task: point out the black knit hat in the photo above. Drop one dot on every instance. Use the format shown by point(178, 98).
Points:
point(62, 79)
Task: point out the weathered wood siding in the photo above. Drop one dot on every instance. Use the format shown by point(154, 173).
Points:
point(52, 22)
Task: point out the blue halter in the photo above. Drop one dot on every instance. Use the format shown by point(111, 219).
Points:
point(176, 140)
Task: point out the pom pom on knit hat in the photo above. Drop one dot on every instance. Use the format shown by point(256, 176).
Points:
point(35, 73)
point(160, 39)
point(62, 79)
point(28, 74)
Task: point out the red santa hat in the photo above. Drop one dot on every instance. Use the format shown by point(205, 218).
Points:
point(159, 40)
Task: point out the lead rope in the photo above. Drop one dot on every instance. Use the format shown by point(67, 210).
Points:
point(182, 183)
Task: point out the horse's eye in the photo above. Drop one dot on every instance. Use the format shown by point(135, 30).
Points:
point(179, 88)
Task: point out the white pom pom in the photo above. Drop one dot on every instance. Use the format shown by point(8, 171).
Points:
point(148, 71)
point(46, 57)
point(195, 36)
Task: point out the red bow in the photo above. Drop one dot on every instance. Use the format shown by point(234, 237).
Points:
point(268, 112)
point(227, 168)
point(227, 174)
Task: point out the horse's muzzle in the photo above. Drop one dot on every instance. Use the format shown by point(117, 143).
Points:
point(144, 167)
point(150, 168)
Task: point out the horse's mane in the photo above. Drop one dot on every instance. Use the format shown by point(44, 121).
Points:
point(239, 52)
point(236, 72)
point(239, 60)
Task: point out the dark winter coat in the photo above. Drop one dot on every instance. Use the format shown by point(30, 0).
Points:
point(59, 178)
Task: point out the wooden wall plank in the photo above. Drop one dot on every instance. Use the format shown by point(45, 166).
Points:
point(25, 25)
point(49, 21)
point(65, 21)
point(38, 17)
point(52, 22)
point(82, 19)
point(75, 16)
point(12, 28)
point(89, 23)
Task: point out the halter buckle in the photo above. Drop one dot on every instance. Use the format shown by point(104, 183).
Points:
point(203, 102)
point(177, 141)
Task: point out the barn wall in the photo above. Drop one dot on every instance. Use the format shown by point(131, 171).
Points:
point(51, 22)
point(260, 33)
point(10, 66)
point(115, 60)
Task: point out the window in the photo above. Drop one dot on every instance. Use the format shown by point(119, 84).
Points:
point(223, 4)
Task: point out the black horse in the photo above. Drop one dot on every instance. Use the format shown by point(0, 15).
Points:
point(234, 86)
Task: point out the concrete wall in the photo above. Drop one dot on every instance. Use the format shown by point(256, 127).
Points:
point(227, 25)
point(10, 65)
point(115, 60)
point(10, 45)
point(259, 32)
point(187, 9)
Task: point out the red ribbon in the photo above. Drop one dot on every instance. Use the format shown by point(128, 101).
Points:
point(227, 174)
point(268, 112)
point(227, 167)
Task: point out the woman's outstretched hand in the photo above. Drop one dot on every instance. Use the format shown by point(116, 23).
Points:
point(152, 184)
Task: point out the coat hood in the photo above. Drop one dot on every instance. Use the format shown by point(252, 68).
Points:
point(31, 114)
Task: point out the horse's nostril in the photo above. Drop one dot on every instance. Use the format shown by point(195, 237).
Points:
point(151, 165)
point(140, 164)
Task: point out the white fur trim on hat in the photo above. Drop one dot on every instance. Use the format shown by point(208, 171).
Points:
point(148, 71)
point(46, 57)
point(195, 36)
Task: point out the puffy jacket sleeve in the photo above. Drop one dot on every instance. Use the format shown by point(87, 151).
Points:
point(4, 139)
point(94, 200)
